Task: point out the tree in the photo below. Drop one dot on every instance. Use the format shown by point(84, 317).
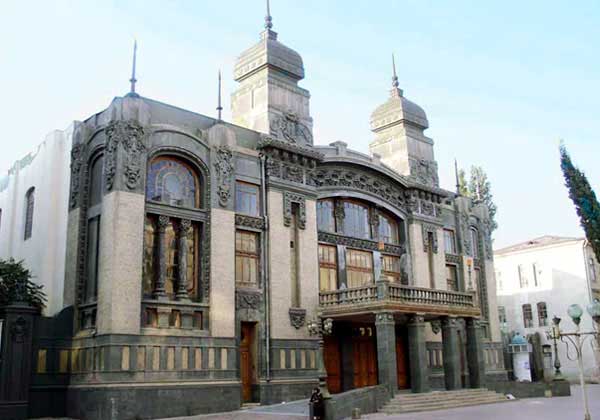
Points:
point(479, 189)
point(16, 285)
point(584, 199)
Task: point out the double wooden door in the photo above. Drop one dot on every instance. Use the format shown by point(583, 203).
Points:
point(402, 362)
point(365, 361)
point(332, 361)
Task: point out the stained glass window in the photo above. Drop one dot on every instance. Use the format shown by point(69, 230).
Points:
point(172, 182)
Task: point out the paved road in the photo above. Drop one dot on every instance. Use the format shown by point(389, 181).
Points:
point(559, 408)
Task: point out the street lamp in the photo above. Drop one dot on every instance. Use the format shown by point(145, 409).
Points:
point(577, 339)
point(554, 334)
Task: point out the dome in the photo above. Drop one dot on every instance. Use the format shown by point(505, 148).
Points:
point(269, 53)
point(396, 109)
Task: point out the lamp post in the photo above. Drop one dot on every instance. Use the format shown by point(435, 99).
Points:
point(554, 334)
point(577, 339)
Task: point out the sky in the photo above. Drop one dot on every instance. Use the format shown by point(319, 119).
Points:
point(501, 83)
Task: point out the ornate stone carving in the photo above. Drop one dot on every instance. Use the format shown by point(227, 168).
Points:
point(427, 228)
point(297, 317)
point(332, 238)
point(416, 319)
point(436, 326)
point(384, 317)
point(405, 269)
point(339, 214)
point(247, 300)
point(449, 322)
point(424, 171)
point(249, 221)
point(19, 329)
point(288, 161)
point(288, 199)
point(224, 171)
point(76, 164)
point(453, 259)
point(130, 135)
point(487, 239)
point(289, 128)
point(466, 236)
point(183, 229)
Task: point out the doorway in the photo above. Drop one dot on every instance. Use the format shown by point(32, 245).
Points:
point(247, 359)
point(402, 359)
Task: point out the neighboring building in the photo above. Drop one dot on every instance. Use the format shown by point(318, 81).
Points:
point(199, 250)
point(33, 214)
point(539, 279)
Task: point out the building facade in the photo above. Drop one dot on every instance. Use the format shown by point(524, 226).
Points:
point(33, 209)
point(538, 280)
point(199, 252)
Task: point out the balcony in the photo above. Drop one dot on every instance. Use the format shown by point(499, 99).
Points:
point(399, 298)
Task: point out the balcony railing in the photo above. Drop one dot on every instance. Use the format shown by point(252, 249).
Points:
point(399, 297)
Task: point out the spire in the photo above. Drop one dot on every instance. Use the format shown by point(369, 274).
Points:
point(219, 107)
point(133, 80)
point(396, 92)
point(456, 175)
point(268, 18)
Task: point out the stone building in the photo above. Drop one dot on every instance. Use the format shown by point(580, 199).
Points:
point(538, 279)
point(200, 251)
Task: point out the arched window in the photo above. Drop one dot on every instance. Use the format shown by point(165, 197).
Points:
point(172, 241)
point(325, 219)
point(29, 203)
point(388, 229)
point(93, 228)
point(474, 242)
point(356, 220)
point(172, 181)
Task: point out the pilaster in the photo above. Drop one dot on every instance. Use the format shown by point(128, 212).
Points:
point(386, 350)
point(417, 354)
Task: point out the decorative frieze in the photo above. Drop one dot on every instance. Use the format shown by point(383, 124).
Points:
point(436, 326)
point(453, 259)
point(384, 317)
point(428, 244)
point(351, 242)
point(297, 317)
point(424, 171)
point(288, 127)
point(247, 299)
point(130, 135)
point(224, 174)
point(289, 199)
point(77, 154)
point(289, 161)
point(241, 220)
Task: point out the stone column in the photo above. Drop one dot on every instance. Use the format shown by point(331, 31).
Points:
point(161, 258)
point(182, 280)
point(417, 354)
point(450, 352)
point(475, 354)
point(386, 350)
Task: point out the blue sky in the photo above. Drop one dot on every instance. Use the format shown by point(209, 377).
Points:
point(501, 83)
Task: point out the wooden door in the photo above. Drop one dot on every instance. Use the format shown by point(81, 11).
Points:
point(332, 364)
point(247, 360)
point(365, 362)
point(402, 363)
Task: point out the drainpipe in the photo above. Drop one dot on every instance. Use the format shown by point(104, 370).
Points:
point(266, 252)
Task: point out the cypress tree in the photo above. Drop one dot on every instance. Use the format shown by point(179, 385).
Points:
point(584, 198)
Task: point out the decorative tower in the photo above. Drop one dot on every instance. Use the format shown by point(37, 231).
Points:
point(268, 98)
point(399, 126)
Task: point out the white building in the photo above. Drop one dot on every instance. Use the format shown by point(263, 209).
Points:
point(540, 278)
point(34, 199)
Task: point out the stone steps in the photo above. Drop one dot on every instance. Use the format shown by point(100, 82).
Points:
point(441, 400)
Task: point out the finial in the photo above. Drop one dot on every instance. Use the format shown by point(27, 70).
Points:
point(395, 83)
point(133, 80)
point(219, 107)
point(396, 92)
point(456, 175)
point(268, 18)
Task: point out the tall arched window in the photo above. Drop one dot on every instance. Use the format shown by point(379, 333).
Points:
point(388, 229)
point(356, 220)
point(172, 181)
point(172, 236)
point(29, 204)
